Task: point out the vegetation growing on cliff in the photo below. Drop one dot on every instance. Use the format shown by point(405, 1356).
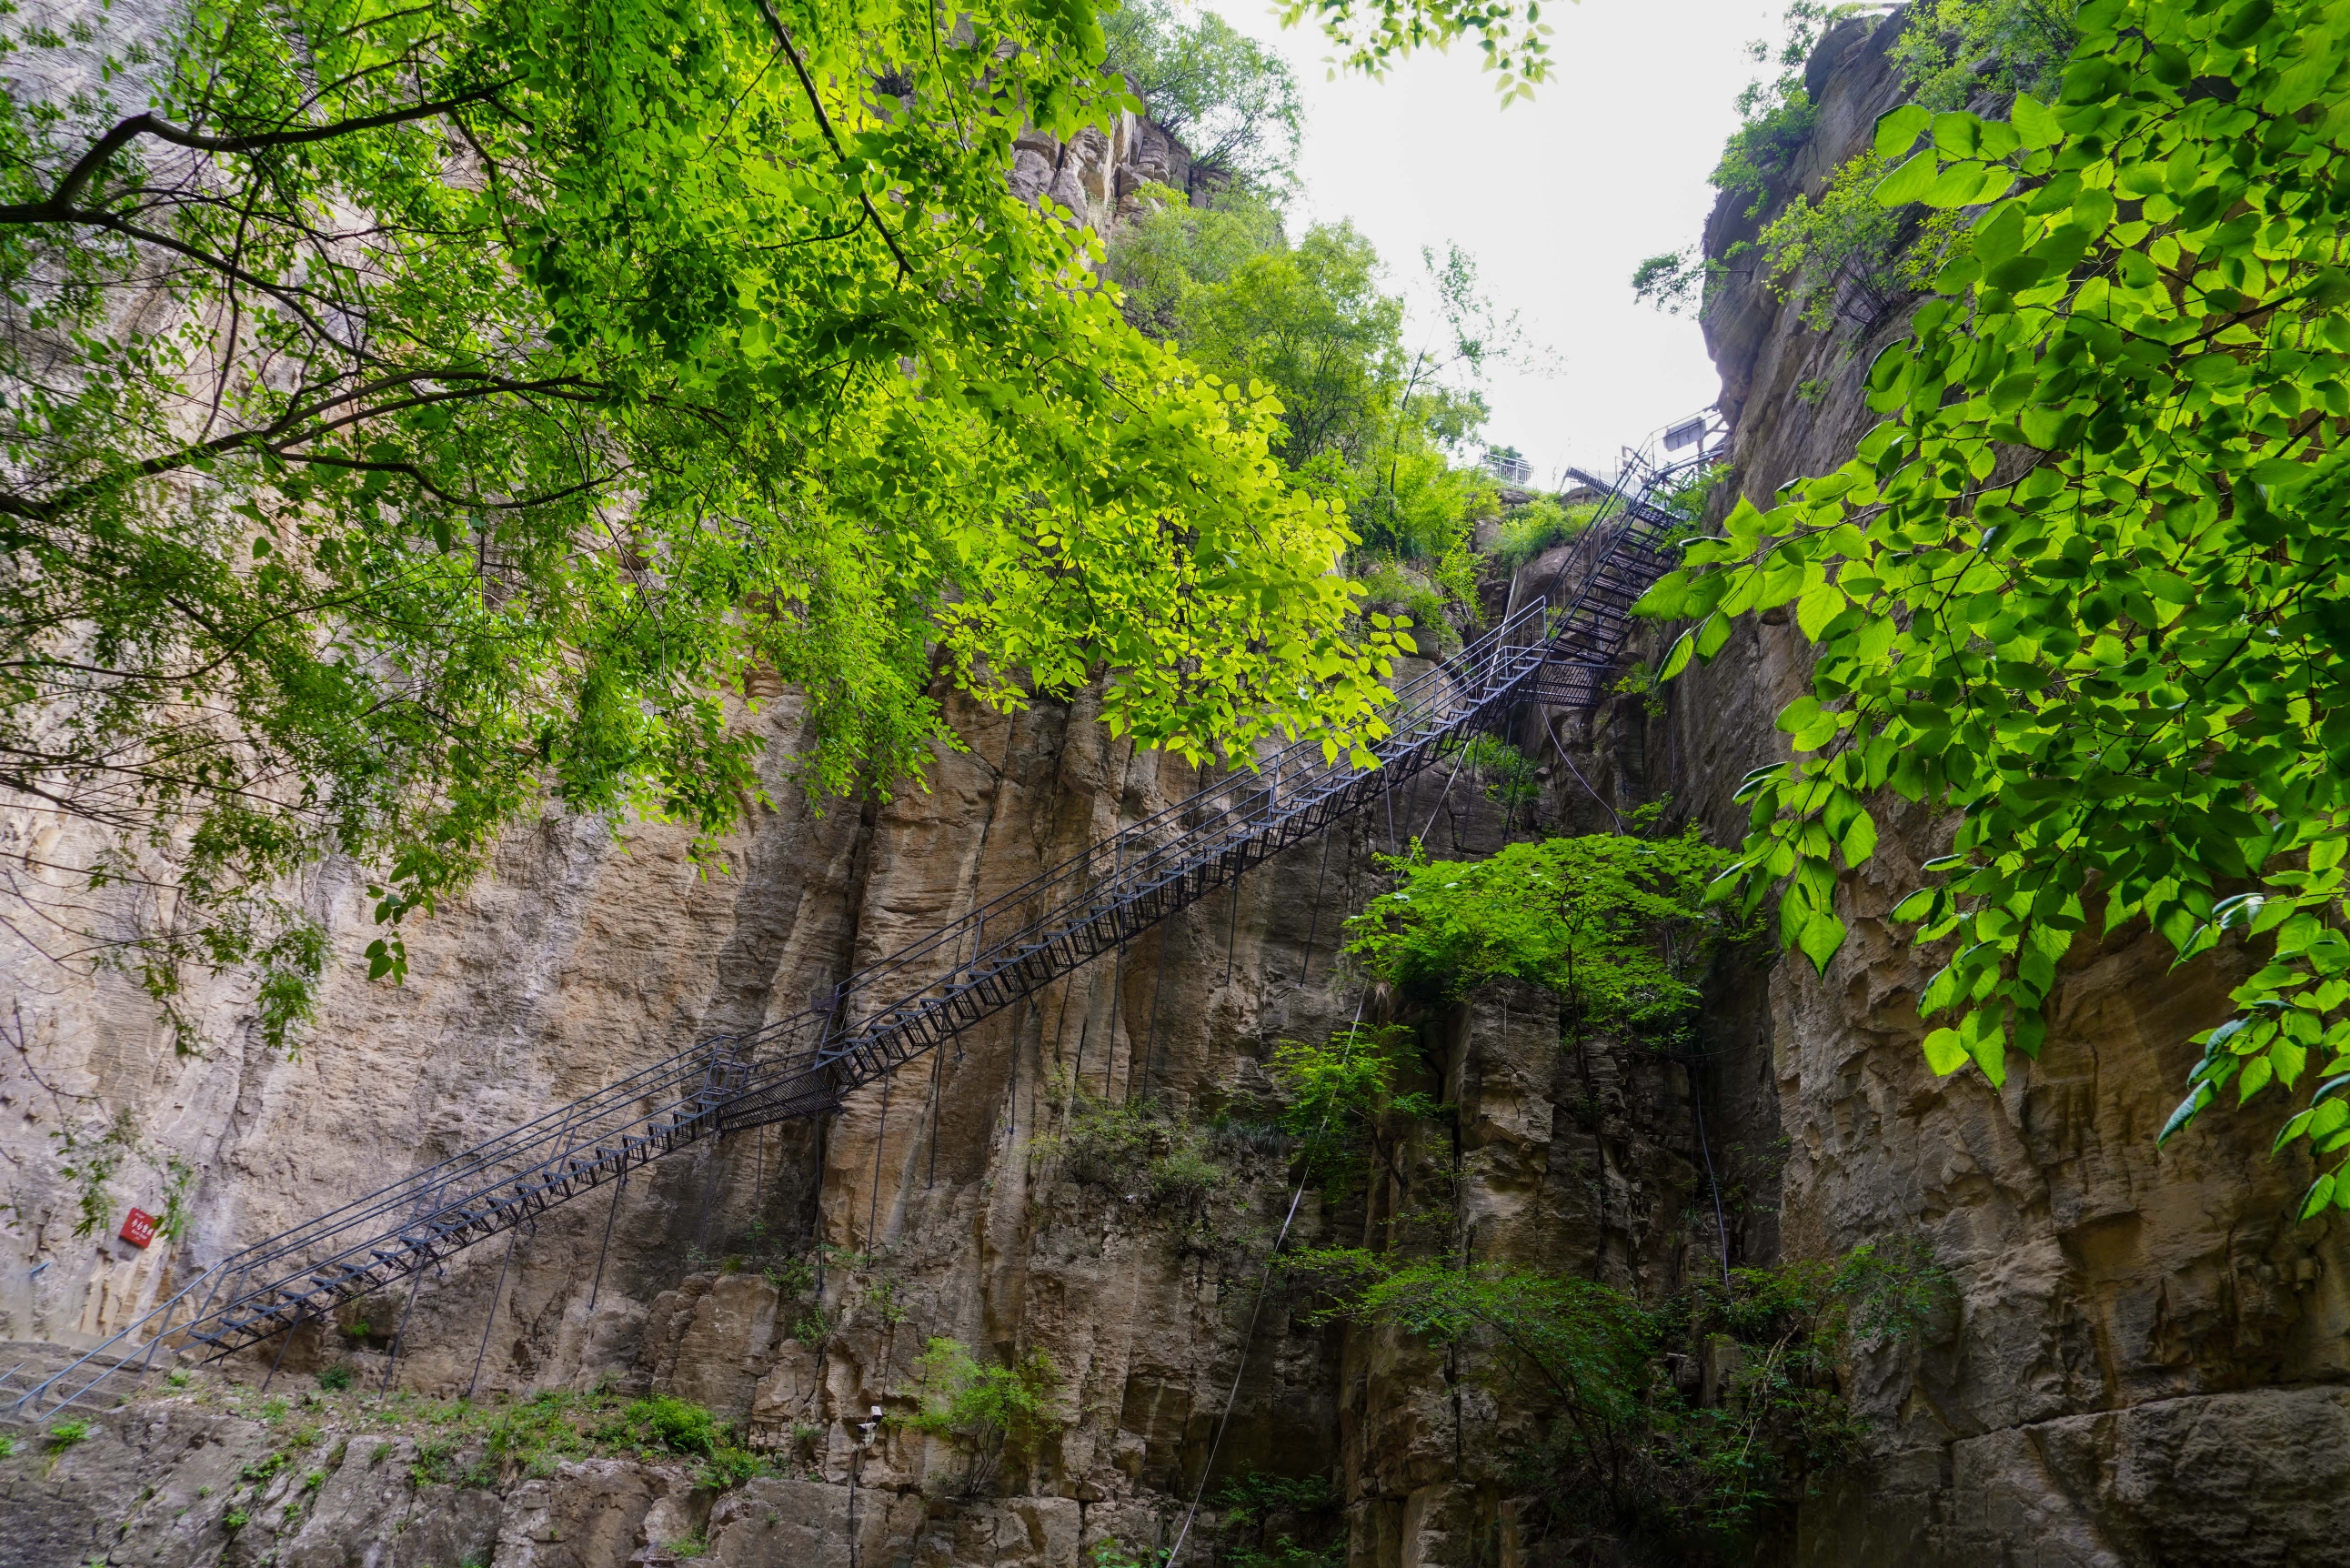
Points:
point(402, 436)
point(1633, 1437)
point(1368, 420)
point(1618, 926)
point(1229, 100)
point(991, 1413)
point(2085, 584)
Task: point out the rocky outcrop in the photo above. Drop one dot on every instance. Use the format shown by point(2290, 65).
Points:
point(1097, 175)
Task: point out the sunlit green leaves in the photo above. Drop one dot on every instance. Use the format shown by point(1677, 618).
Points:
point(2088, 584)
point(580, 371)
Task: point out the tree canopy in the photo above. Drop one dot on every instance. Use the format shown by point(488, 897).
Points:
point(1617, 925)
point(417, 412)
point(2087, 585)
point(1230, 101)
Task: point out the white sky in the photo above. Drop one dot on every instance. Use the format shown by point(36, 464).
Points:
point(1558, 199)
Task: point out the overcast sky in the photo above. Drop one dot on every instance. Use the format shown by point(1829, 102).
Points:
point(1558, 199)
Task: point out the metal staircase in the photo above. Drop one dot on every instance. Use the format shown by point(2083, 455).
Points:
point(901, 1006)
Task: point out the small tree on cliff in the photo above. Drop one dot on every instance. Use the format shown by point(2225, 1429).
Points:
point(1617, 926)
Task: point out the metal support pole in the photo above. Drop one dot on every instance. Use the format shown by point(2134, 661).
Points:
point(1150, 1046)
point(291, 1330)
point(490, 1320)
point(880, 1134)
point(1233, 934)
point(1117, 1008)
point(1314, 924)
point(400, 1334)
point(932, 1179)
point(619, 1185)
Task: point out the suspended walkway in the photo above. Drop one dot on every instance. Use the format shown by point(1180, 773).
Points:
point(1554, 650)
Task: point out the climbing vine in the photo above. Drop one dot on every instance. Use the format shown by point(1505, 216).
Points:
point(2088, 583)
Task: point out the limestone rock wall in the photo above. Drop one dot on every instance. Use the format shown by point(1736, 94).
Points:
point(2150, 1351)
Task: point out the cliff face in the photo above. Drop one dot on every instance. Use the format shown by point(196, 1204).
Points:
point(2149, 1353)
point(2145, 1363)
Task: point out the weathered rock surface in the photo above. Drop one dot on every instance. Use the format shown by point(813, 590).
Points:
point(2148, 1363)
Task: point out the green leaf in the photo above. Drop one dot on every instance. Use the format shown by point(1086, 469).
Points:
point(1909, 182)
point(1822, 935)
point(2034, 121)
point(1897, 129)
point(1945, 1052)
point(2188, 1109)
point(1820, 604)
point(1957, 134)
point(2321, 1193)
point(1955, 186)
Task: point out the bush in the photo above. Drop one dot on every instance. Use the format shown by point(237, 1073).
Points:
point(1134, 1151)
point(1541, 524)
point(991, 1413)
point(1624, 1448)
point(1951, 50)
point(664, 1425)
point(65, 1434)
point(335, 1379)
point(1423, 599)
point(1510, 777)
point(1338, 1091)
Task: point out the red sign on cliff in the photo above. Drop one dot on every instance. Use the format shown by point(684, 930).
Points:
point(139, 1228)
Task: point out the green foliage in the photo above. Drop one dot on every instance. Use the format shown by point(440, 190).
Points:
point(1363, 424)
point(427, 414)
point(1624, 1449)
point(1693, 492)
point(1775, 116)
point(1510, 778)
point(1133, 1150)
point(64, 1435)
point(1230, 101)
point(7, 1448)
point(1257, 1504)
point(1538, 526)
point(992, 1412)
point(1178, 245)
point(1674, 282)
point(335, 1379)
point(1421, 601)
point(1372, 35)
point(1342, 1096)
point(1836, 258)
point(2118, 653)
point(1951, 50)
point(1845, 258)
point(1617, 926)
point(659, 1425)
point(1895, 1290)
point(668, 1426)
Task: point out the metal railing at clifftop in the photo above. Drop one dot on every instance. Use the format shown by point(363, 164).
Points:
point(895, 1010)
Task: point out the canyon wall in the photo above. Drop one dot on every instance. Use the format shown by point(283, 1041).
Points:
point(2148, 1361)
point(2144, 1363)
